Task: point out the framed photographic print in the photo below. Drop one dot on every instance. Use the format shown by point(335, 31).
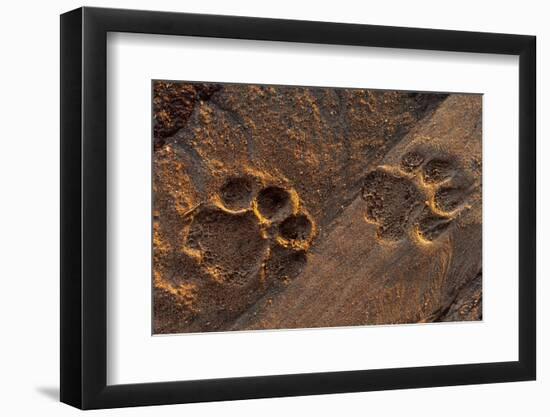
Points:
point(257, 208)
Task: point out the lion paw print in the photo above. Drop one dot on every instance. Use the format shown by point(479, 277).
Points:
point(421, 196)
point(249, 233)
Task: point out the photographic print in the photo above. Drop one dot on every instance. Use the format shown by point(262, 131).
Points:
point(292, 207)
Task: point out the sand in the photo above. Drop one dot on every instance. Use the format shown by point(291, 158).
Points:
point(292, 207)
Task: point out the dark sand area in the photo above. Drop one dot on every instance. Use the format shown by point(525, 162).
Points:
point(292, 207)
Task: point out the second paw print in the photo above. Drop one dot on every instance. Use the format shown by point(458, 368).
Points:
point(419, 197)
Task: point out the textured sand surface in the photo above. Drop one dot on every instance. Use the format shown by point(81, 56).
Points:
point(291, 207)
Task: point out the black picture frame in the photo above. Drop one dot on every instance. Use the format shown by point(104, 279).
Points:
point(84, 207)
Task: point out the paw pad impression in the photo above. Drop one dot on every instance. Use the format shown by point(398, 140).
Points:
point(247, 230)
point(417, 196)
